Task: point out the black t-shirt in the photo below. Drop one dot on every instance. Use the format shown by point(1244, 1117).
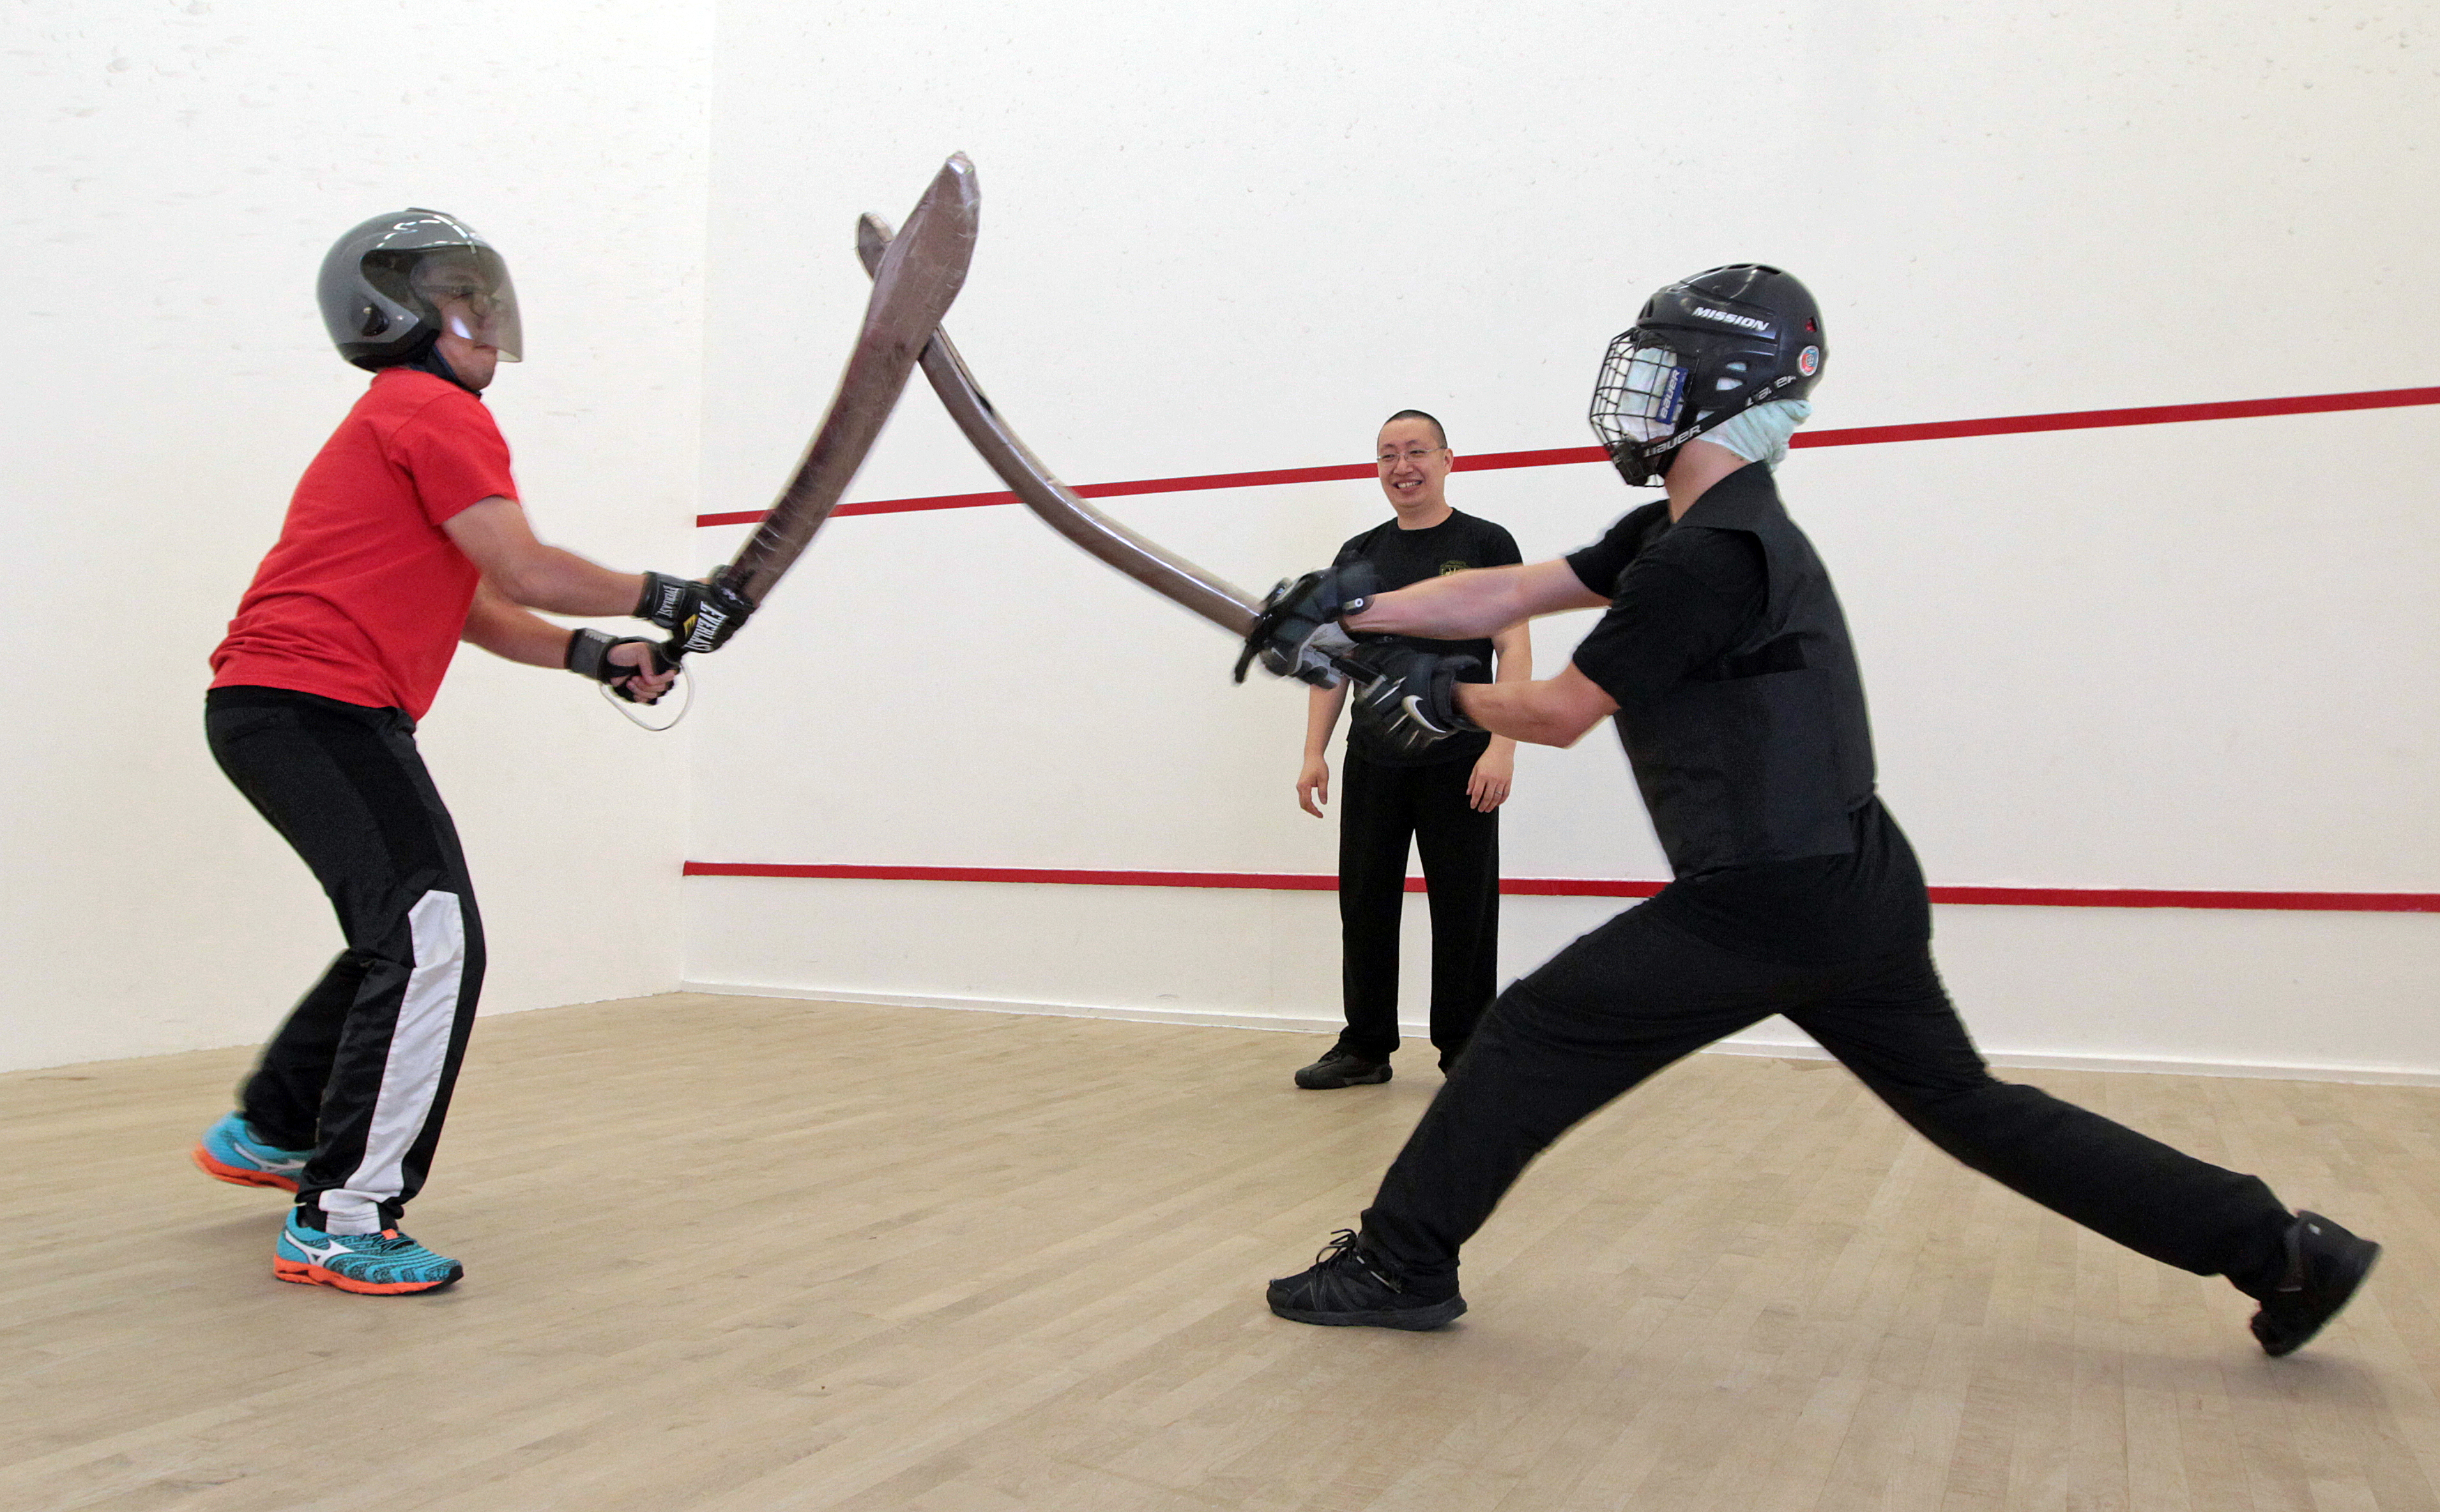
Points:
point(1679, 600)
point(1404, 557)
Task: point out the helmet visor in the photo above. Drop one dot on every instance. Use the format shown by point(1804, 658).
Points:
point(1641, 392)
point(468, 289)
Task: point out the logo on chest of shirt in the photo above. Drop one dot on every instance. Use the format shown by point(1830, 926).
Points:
point(1447, 568)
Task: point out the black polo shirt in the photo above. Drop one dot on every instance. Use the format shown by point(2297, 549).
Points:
point(1407, 557)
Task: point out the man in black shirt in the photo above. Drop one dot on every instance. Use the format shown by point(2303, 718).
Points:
point(1446, 798)
point(1725, 659)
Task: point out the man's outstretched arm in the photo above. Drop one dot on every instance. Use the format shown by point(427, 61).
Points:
point(1483, 602)
point(500, 626)
point(1554, 712)
point(515, 634)
point(495, 537)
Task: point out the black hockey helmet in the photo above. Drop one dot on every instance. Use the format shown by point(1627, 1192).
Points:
point(1704, 348)
point(394, 284)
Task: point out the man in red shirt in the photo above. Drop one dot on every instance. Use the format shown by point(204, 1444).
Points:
point(404, 537)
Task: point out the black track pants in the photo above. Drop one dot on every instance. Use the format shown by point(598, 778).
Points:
point(360, 1071)
point(1379, 809)
point(1626, 1000)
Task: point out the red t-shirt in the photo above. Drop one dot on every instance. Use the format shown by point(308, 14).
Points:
point(363, 596)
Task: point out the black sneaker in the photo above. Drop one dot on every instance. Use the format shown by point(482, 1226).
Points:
point(1348, 1288)
point(2325, 1265)
point(1343, 1068)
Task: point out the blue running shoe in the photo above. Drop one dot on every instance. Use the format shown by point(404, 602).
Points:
point(387, 1263)
point(229, 1151)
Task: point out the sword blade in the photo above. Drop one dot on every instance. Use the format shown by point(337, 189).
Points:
point(1156, 566)
point(911, 290)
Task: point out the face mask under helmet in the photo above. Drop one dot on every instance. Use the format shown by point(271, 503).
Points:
point(1703, 350)
point(389, 287)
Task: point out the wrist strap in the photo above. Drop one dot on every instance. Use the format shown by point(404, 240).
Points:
point(588, 652)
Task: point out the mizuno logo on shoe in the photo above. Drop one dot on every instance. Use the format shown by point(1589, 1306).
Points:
point(325, 1253)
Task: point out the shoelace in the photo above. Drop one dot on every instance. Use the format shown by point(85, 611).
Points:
point(1341, 1252)
point(392, 1245)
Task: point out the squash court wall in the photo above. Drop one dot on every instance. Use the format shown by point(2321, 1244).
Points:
point(2190, 655)
point(175, 173)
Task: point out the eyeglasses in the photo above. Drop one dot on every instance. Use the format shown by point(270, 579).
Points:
point(1412, 454)
point(478, 298)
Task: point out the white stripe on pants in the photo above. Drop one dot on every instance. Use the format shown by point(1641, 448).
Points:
point(417, 1047)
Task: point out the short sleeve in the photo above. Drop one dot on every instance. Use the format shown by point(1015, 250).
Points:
point(1669, 618)
point(1598, 566)
point(454, 454)
point(1500, 547)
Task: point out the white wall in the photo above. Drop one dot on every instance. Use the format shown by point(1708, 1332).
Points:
point(1222, 238)
point(2179, 656)
point(176, 173)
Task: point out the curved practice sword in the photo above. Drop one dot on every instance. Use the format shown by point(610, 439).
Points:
point(912, 287)
point(1165, 571)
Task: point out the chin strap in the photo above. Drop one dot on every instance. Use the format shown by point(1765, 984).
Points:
point(427, 358)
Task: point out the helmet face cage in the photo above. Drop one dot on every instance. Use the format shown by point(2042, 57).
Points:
point(1641, 391)
point(392, 284)
point(1641, 409)
point(1702, 351)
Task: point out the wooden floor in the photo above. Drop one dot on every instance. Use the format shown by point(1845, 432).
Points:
point(735, 1255)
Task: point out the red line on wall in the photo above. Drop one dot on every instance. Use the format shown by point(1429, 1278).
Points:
point(1288, 881)
point(2103, 419)
point(2192, 898)
point(1569, 887)
point(1566, 456)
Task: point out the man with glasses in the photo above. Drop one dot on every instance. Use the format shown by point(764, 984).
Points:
point(1446, 800)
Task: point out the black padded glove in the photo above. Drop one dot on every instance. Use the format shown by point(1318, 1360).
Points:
point(1411, 704)
point(1296, 633)
point(588, 656)
point(700, 616)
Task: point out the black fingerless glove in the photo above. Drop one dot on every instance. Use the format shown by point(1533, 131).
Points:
point(588, 656)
